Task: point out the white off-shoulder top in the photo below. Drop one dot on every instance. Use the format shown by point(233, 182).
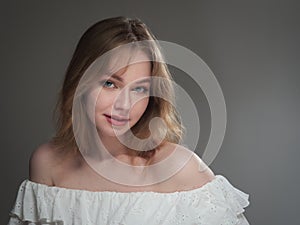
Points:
point(216, 202)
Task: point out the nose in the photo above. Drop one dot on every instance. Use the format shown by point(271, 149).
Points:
point(123, 101)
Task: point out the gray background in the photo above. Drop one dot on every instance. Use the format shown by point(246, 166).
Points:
point(251, 46)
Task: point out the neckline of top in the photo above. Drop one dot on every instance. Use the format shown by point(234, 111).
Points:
point(217, 177)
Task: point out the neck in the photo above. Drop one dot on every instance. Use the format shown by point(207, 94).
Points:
point(121, 152)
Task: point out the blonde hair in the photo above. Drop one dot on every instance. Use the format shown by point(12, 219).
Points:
point(101, 37)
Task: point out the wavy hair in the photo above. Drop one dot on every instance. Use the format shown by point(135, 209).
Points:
point(100, 38)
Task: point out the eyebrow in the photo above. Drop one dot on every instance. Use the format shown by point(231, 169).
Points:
point(117, 77)
point(146, 80)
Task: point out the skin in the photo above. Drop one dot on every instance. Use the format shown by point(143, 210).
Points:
point(121, 95)
point(117, 97)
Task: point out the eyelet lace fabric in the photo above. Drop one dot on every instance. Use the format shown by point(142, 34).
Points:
point(215, 203)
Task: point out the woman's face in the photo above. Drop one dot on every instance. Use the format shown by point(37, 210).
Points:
point(122, 100)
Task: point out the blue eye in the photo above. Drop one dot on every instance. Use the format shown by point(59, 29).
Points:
point(108, 84)
point(141, 89)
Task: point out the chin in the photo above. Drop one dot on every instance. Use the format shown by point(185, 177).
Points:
point(109, 131)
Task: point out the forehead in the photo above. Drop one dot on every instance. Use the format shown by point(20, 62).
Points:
point(130, 67)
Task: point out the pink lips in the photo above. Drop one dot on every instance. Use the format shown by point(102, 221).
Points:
point(116, 120)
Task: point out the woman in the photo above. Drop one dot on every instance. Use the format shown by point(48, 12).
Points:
point(116, 157)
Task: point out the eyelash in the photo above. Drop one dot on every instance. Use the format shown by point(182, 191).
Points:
point(103, 83)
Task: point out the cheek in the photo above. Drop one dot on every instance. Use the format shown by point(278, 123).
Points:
point(90, 102)
point(104, 101)
point(139, 108)
point(98, 101)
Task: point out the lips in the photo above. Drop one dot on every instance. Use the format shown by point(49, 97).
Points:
point(115, 117)
point(116, 120)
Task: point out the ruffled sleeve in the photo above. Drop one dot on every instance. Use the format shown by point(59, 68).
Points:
point(215, 203)
point(30, 209)
point(236, 201)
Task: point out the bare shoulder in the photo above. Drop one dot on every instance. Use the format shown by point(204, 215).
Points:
point(194, 174)
point(41, 164)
